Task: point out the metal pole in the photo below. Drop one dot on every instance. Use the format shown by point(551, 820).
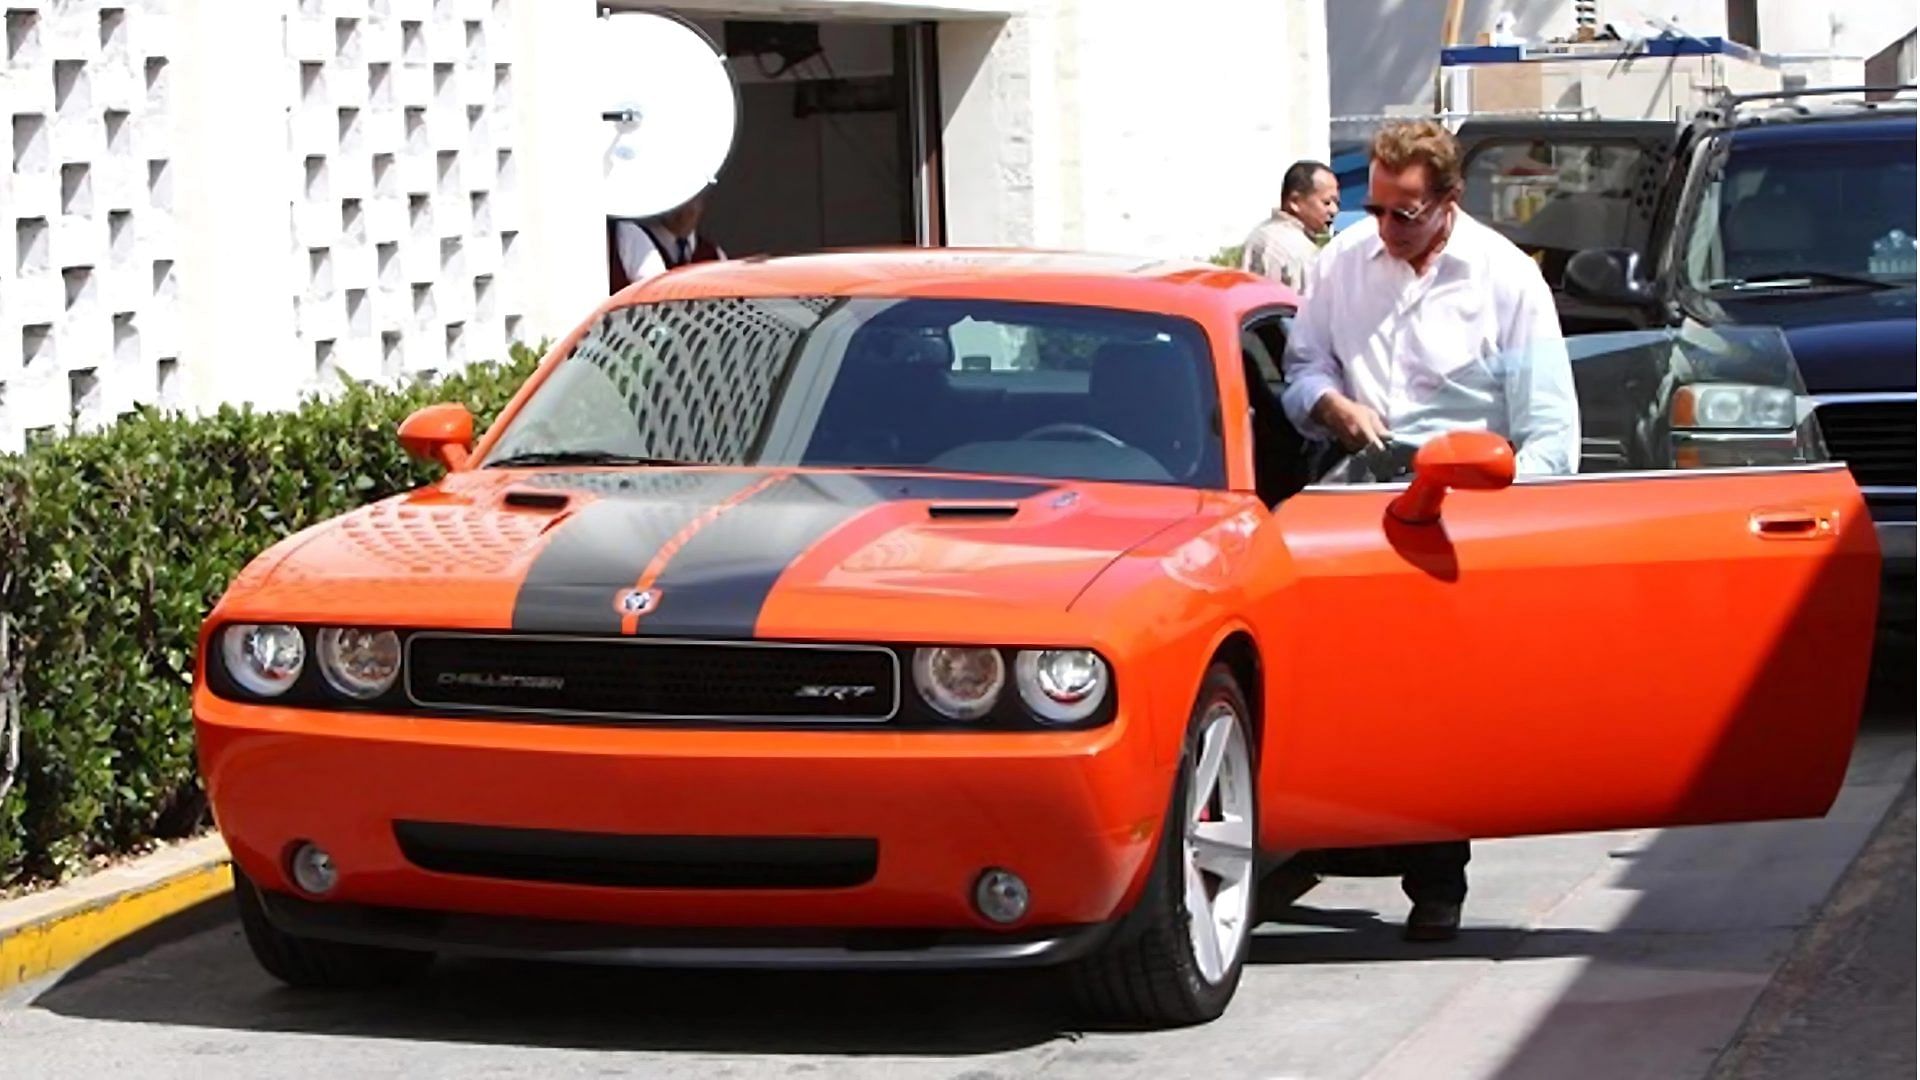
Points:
point(1449, 30)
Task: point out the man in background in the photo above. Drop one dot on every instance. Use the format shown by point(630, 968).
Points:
point(1283, 247)
point(638, 249)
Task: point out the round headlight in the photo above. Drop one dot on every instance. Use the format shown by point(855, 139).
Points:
point(359, 663)
point(264, 660)
point(1061, 686)
point(960, 683)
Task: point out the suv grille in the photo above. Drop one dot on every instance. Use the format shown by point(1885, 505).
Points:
point(1874, 438)
point(652, 679)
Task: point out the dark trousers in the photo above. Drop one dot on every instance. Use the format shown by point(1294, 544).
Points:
point(1428, 873)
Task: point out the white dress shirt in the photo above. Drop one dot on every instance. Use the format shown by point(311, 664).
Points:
point(649, 249)
point(1472, 343)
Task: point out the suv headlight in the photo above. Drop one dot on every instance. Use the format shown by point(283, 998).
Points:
point(266, 660)
point(1061, 686)
point(1734, 405)
point(359, 663)
point(959, 683)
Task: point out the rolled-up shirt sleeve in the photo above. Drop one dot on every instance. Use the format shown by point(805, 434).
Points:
point(1310, 366)
point(1543, 410)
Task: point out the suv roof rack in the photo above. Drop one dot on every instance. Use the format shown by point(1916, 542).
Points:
point(1727, 111)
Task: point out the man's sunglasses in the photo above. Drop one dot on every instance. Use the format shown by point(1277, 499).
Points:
point(1406, 217)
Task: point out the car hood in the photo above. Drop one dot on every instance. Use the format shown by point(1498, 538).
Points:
point(1842, 341)
point(719, 553)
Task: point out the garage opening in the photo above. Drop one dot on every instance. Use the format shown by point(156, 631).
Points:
point(837, 144)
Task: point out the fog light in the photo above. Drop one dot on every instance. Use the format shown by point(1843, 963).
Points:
point(1001, 896)
point(313, 869)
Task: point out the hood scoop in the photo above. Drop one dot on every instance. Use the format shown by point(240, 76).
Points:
point(522, 499)
point(972, 511)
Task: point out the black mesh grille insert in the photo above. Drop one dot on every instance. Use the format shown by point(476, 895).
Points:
point(652, 679)
point(1875, 439)
point(660, 862)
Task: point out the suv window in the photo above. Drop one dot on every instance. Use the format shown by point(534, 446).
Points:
point(1776, 213)
point(1553, 198)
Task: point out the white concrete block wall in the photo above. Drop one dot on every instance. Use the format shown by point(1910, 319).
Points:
point(208, 201)
point(86, 237)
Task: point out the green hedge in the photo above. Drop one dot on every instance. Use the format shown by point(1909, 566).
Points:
point(114, 546)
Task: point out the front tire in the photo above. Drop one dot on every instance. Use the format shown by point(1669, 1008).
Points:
point(1178, 958)
point(310, 963)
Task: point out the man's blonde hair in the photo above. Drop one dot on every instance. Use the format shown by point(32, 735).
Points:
point(1402, 143)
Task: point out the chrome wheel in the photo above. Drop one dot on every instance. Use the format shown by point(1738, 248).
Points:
point(1218, 848)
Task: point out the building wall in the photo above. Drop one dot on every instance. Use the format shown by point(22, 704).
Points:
point(212, 202)
point(88, 243)
point(216, 202)
point(1074, 126)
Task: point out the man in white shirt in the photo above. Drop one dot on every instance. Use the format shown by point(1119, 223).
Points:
point(1419, 322)
point(1424, 320)
point(1285, 245)
point(644, 248)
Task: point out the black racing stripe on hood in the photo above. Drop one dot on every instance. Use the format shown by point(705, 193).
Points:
point(716, 585)
point(606, 546)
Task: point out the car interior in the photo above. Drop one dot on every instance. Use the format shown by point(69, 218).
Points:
point(1117, 407)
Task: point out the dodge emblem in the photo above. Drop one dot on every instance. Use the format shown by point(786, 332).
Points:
point(636, 601)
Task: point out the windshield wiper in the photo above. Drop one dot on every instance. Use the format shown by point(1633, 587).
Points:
point(1790, 279)
point(577, 457)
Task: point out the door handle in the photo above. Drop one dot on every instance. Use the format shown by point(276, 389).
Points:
point(1790, 525)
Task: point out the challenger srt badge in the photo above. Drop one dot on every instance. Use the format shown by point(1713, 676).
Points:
point(636, 601)
point(488, 680)
point(841, 694)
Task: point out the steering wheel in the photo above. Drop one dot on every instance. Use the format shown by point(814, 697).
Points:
point(1085, 431)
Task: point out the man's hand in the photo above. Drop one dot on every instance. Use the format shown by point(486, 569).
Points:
point(1354, 424)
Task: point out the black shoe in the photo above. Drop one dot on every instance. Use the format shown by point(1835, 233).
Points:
point(1433, 922)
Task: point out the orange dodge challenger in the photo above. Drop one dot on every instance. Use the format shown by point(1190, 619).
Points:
point(963, 609)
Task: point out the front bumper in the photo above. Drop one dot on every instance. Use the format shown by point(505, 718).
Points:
point(1076, 814)
point(503, 937)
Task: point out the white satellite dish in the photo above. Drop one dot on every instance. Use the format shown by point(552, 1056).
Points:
point(668, 107)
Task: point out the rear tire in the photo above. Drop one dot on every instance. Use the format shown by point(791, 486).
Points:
point(321, 965)
point(1160, 969)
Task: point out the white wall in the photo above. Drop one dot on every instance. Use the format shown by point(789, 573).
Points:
point(88, 244)
point(213, 201)
point(1093, 125)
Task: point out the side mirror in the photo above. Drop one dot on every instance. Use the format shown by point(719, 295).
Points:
point(1468, 460)
point(442, 433)
point(1608, 276)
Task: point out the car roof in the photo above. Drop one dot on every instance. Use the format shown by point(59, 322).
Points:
point(1134, 282)
point(1821, 119)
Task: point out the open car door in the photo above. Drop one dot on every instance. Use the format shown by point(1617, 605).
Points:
point(1609, 650)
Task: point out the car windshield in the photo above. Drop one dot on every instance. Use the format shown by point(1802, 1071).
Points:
point(952, 385)
point(1795, 216)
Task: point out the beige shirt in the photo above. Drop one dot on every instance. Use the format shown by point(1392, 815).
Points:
point(1280, 249)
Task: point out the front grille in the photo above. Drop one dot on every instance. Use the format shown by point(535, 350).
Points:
point(644, 862)
point(642, 679)
point(1874, 438)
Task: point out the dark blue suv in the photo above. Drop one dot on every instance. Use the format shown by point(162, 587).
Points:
point(1795, 211)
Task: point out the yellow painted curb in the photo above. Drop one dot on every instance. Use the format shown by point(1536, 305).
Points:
point(63, 938)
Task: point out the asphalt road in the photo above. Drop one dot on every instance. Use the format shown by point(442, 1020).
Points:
point(1632, 954)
